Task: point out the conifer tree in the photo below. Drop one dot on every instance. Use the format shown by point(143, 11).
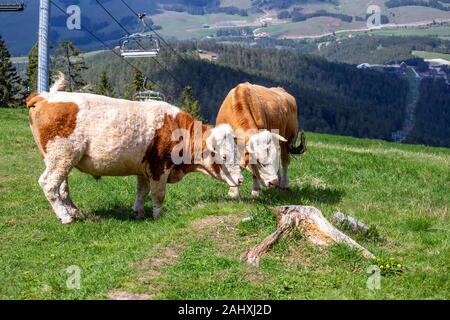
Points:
point(12, 91)
point(190, 103)
point(32, 70)
point(69, 61)
point(104, 87)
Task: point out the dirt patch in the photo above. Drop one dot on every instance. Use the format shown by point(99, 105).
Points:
point(167, 256)
point(123, 295)
point(208, 222)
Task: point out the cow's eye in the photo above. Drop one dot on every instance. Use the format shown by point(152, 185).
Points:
point(224, 158)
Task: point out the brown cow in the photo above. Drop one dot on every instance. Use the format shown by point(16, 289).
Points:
point(263, 117)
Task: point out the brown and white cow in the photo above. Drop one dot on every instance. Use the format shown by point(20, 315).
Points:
point(266, 120)
point(103, 136)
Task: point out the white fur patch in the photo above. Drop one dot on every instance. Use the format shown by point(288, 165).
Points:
point(112, 135)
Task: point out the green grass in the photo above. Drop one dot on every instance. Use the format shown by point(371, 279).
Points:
point(193, 251)
point(431, 55)
point(441, 31)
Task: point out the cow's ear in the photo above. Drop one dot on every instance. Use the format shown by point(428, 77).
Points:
point(277, 136)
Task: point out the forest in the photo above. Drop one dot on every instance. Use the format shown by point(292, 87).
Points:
point(432, 125)
point(358, 49)
point(437, 4)
point(297, 15)
point(201, 7)
point(333, 97)
point(284, 4)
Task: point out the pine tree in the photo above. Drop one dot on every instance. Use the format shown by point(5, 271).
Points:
point(12, 91)
point(32, 71)
point(139, 83)
point(104, 87)
point(68, 60)
point(190, 103)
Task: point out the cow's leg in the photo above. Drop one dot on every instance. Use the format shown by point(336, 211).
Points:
point(158, 191)
point(142, 191)
point(61, 156)
point(50, 182)
point(64, 193)
point(256, 187)
point(285, 161)
point(233, 192)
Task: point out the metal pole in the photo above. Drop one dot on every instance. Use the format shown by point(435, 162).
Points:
point(44, 14)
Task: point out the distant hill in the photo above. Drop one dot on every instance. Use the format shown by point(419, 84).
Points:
point(186, 19)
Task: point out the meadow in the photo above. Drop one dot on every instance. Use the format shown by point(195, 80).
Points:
point(431, 55)
point(192, 252)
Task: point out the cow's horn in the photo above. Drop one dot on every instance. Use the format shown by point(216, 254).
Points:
point(277, 136)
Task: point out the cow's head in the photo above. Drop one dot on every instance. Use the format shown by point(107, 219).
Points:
point(264, 155)
point(222, 155)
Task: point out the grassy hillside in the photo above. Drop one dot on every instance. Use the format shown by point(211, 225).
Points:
point(431, 55)
point(193, 250)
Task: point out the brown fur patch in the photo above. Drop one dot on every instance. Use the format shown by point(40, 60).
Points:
point(159, 152)
point(51, 120)
point(252, 107)
point(33, 99)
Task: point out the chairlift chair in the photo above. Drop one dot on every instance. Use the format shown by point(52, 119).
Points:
point(18, 6)
point(139, 45)
point(149, 95)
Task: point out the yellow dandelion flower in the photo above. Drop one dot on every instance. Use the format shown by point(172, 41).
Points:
point(399, 265)
point(381, 267)
point(392, 259)
point(388, 265)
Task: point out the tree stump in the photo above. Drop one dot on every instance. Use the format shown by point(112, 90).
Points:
point(354, 224)
point(307, 220)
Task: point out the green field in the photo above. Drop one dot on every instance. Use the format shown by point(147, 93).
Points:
point(193, 250)
point(441, 31)
point(431, 55)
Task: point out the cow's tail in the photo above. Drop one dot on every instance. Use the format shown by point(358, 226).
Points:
point(300, 149)
point(59, 84)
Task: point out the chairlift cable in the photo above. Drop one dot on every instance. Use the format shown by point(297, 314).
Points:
point(154, 31)
point(128, 33)
point(111, 49)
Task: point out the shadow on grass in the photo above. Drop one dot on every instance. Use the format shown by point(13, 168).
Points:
point(117, 213)
point(306, 195)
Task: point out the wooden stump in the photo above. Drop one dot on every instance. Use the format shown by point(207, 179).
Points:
point(307, 220)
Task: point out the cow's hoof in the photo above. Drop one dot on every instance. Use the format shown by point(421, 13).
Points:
point(233, 194)
point(139, 214)
point(256, 194)
point(156, 212)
